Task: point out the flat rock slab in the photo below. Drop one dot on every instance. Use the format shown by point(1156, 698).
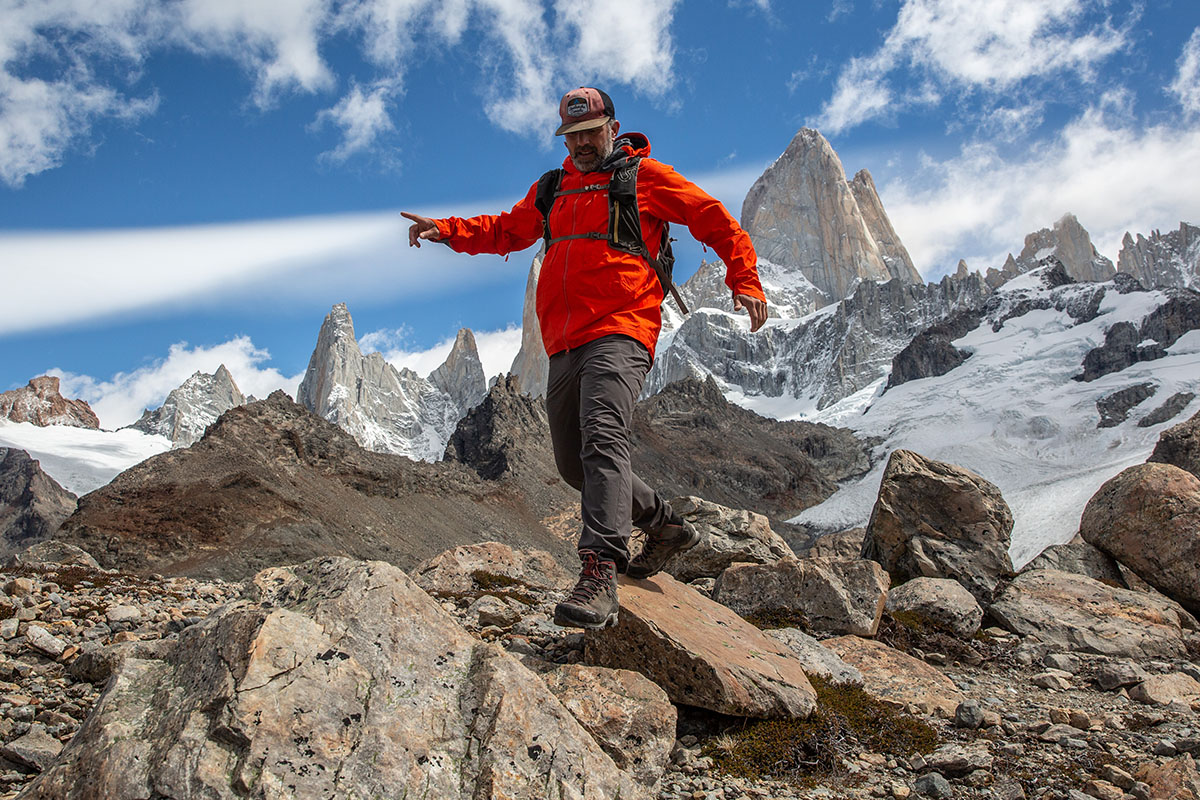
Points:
point(344, 679)
point(1078, 614)
point(700, 652)
point(897, 678)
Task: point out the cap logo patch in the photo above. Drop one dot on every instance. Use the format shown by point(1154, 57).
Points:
point(577, 106)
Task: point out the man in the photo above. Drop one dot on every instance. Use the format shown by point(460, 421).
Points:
point(598, 302)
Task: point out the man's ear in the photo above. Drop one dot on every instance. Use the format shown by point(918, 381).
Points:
point(616, 126)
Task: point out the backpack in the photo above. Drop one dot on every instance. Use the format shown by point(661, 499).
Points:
point(624, 221)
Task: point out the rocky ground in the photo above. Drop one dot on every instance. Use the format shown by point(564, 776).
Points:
point(1030, 723)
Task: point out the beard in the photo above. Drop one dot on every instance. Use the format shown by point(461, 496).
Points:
point(589, 159)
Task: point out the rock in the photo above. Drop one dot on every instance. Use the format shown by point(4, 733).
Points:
point(1052, 679)
point(489, 610)
point(1077, 614)
point(41, 404)
point(1148, 518)
point(1114, 408)
point(331, 684)
point(896, 678)
point(191, 407)
point(1162, 260)
point(931, 352)
point(97, 664)
point(700, 652)
point(1081, 558)
point(841, 546)
point(726, 536)
point(492, 568)
point(1172, 407)
point(1103, 790)
point(1126, 344)
point(1071, 245)
point(121, 613)
point(940, 602)
point(1116, 776)
point(969, 714)
point(1180, 445)
point(818, 661)
point(460, 377)
point(895, 257)
point(955, 759)
point(45, 642)
point(803, 215)
point(531, 365)
point(1162, 690)
point(1175, 779)
point(936, 520)
point(32, 504)
point(630, 717)
point(1112, 675)
point(828, 596)
point(53, 551)
point(386, 410)
point(934, 785)
point(35, 750)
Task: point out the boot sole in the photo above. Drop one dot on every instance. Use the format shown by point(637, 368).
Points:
point(633, 573)
point(564, 621)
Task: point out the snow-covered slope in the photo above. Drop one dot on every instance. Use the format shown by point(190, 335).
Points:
point(81, 459)
point(1013, 413)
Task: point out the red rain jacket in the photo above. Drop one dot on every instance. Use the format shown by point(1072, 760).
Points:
point(587, 289)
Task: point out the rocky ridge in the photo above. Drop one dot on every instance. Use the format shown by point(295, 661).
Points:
point(32, 504)
point(460, 376)
point(1069, 243)
point(1163, 260)
point(41, 404)
point(191, 407)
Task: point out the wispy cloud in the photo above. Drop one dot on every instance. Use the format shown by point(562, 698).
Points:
point(63, 277)
point(949, 46)
point(90, 57)
point(980, 203)
point(1186, 86)
point(120, 400)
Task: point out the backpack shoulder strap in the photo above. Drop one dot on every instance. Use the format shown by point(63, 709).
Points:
point(547, 189)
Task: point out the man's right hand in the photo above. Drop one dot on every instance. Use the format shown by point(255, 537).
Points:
point(422, 228)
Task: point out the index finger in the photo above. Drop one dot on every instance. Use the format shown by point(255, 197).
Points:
point(413, 217)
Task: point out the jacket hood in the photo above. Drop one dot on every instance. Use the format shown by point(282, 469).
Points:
point(626, 146)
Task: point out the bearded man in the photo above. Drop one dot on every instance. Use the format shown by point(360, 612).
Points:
point(599, 304)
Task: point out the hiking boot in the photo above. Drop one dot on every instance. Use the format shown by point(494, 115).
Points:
point(674, 537)
point(593, 603)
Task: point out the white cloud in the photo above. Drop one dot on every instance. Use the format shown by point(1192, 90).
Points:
point(628, 41)
point(362, 116)
point(1114, 176)
point(966, 46)
point(62, 277)
point(120, 400)
point(1186, 86)
point(497, 349)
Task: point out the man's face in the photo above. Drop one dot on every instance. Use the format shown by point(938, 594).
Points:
point(589, 148)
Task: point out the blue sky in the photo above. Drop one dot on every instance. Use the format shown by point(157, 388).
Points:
point(196, 181)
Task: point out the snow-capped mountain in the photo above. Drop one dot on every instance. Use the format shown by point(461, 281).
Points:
point(1015, 412)
point(384, 409)
point(191, 407)
point(1163, 259)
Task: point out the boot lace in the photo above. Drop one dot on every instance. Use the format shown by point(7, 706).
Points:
point(593, 579)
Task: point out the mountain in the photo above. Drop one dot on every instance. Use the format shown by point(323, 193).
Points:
point(461, 376)
point(191, 407)
point(531, 364)
point(32, 504)
point(1068, 242)
point(41, 404)
point(386, 410)
point(271, 483)
point(1170, 259)
point(1014, 412)
point(803, 215)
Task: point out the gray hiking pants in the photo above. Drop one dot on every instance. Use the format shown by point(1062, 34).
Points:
point(589, 398)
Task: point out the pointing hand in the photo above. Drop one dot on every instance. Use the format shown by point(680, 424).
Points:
point(422, 228)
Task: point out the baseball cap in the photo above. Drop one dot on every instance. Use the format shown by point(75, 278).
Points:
point(583, 109)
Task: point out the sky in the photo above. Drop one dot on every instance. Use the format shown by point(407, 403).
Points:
point(186, 183)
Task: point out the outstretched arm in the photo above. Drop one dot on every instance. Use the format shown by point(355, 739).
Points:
point(422, 228)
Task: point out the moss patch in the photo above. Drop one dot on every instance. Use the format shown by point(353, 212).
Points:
point(847, 721)
point(774, 618)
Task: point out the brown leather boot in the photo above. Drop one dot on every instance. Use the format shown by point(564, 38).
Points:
point(674, 537)
point(593, 603)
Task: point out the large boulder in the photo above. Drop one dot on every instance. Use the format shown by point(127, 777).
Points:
point(823, 595)
point(939, 602)
point(818, 661)
point(1075, 613)
point(727, 536)
point(937, 520)
point(700, 652)
point(1174, 779)
point(1148, 518)
point(1081, 558)
point(897, 678)
point(491, 567)
point(1180, 445)
point(344, 679)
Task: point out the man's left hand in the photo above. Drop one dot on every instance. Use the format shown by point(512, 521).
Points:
point(756, 307)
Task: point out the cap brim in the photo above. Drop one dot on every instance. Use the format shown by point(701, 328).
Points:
point(585, 125)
